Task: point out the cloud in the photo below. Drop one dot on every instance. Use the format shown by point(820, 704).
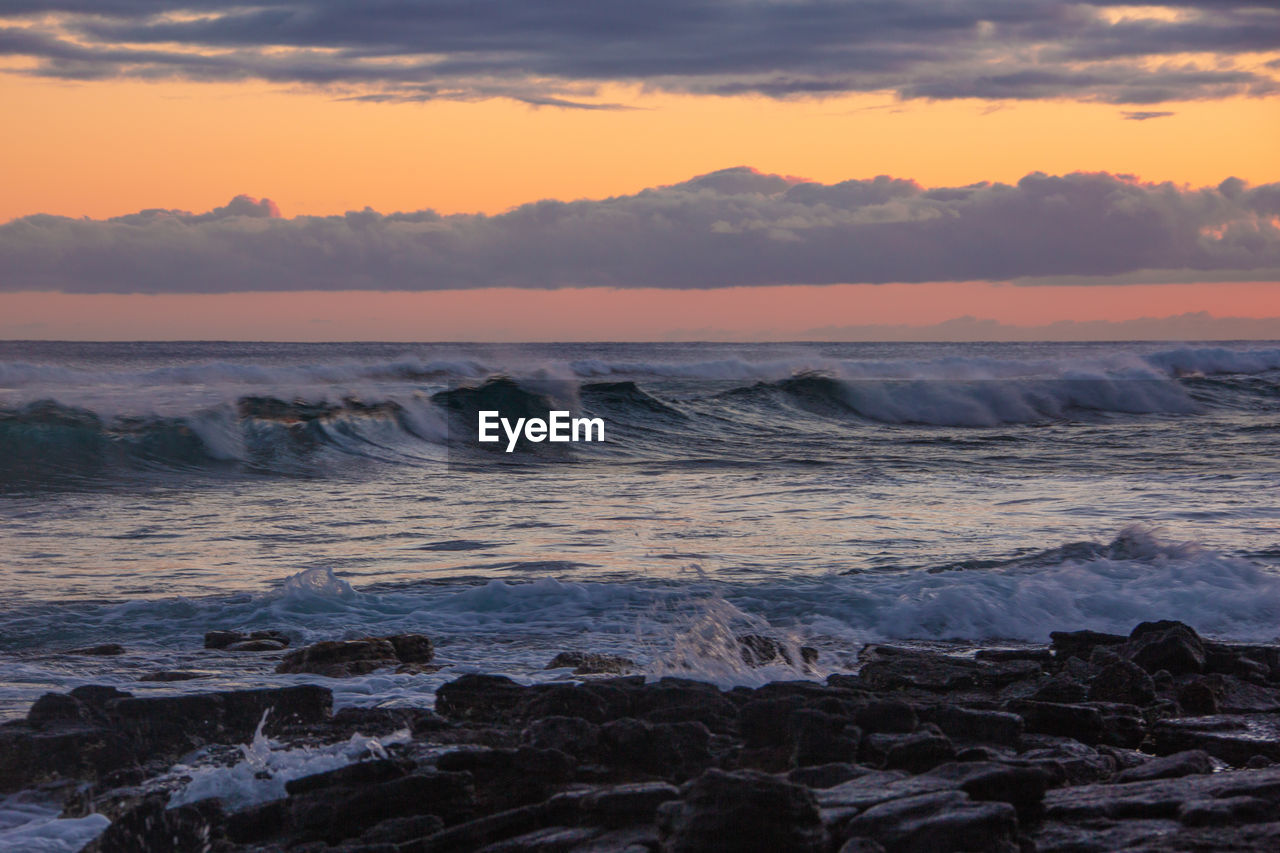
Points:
point(735, 227)
point(558, 52)
point(1145, 115)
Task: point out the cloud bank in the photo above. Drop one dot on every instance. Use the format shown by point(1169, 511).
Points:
point(735, 227)
point(557, 52)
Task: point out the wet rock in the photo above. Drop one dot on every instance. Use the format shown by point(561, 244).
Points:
point(1123, 681)
point(895, 668)
point(826, 775)
point(1169, 767)
point(683, 700)
point(1079, 722)
point(589, 663)
point(887, 716)
point(821, 738)
point(919, 752)
point(340, 658)
point(992, 727)
point(743, 811)
point(152, 826)
point(669, 751)
point(482, 698)
point(563, 700)
point(1198, 699)
point(352, 775)
point(412, 648)
point(61, 751)
point(767, 722)
point(943, 822)
point(617, 805)
point(572, 735)
point(169, 723)
point(1020, 786)
point(1158, 798)
point(1233, 739)
point(1228, 811)
point(1080, 644)
point(506, 778)
point(1061, 689)
point(759, 650)
point(1039, 655)
point(1068, 761)
point(103, 650)
point(335, 813)
point(1166, 645)
point(58, 708)
point(398, 830)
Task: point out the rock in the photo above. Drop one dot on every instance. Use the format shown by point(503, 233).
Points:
point(997, 727)
point(151, 826)
point(919, 752)
point(563, 700)
point(57, 708)
point(759, 650)
point(887, 716)
point(894, 668)
point(103, 650)
point(1061, 689)
point(669, 751)
point(588, 663)
point(398, 830)
point(1067, 760)
point(352, 775)
point(1039, 655)
point(1166, 645)
point(572, 735)
point(943, 822)
point(507, 778)
point(1228, 811)
point(743, 811)
point(1234, 739)
point(618, 805)
point(1123, 681)
point(1158, 798)
point(412, 648)
point(1169, 767)
point(1079, 722)
point(1020, 786)
point(334, 813)
point(826, 775)
point(767, 722)
point(340, 658)
point(1080, 644)
point(1198, 699)
point(821, 738)
point(483, 698)
point(29, 757)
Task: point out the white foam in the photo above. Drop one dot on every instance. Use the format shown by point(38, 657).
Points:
point(29, 825)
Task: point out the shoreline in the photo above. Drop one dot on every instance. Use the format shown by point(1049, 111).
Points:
point(1156, 740)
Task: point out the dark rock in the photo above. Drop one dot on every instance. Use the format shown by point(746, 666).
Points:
point(412, 648)
point(103, 650)
point(483, 698)
point(1039, 655)
point(1198, 699)
point(826, 775)
point(398, 830)
point(919, 752)
point(743, 811)
point(1228, 811)
point(887, 716)
point(222, 639)
point(1169, 767)
point(767, 722)
point(1158, 798)
point(821, 738)
point(1067, 760)
point(1167, 645)
point(1061, 689)
point(98, 695)
point(618, 805)
point(670, 751)
point(1233, 739)
point(507, 778)
point(334, 813)
point(1020, 786)
point(1079, 722)
point(998, 727)
point(1123, 681)
point(894, 668)
point(861, 845)
point(682, 700)
point(589, 663)
point(150, 826)
point(759, 650)
point(56, 708)
point(943, 822)
point(563, 700)
point(352, 775)
point(340, 658)
point(29, 757)
point(571, 735)
point(1080, 644)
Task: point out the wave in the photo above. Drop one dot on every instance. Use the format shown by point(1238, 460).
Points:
point(1104, 586)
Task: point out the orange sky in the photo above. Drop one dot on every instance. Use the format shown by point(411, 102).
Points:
point(105, 149)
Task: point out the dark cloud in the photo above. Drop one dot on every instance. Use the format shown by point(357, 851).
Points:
point(557, 52)
point(1145, 115)
point(729, 228)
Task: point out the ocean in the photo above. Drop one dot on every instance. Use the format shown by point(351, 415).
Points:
point(825, 494)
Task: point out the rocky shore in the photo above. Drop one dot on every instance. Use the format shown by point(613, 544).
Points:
point(1157, 741)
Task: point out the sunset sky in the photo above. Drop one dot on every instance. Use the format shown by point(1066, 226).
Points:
point(571, 170)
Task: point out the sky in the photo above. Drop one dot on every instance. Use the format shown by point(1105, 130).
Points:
point(705, 169)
